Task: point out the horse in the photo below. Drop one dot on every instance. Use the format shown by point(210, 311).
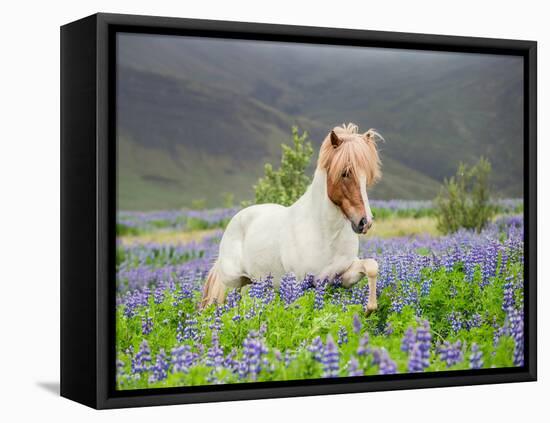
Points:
point(317, 235)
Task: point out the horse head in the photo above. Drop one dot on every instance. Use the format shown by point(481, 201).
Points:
point(352, 164)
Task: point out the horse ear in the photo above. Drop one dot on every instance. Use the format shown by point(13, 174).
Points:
point(372, 136)
point(334, 139)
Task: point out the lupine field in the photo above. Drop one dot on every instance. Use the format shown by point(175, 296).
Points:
point(445, 303)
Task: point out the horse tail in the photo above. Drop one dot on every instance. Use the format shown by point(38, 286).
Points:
point(214, 289)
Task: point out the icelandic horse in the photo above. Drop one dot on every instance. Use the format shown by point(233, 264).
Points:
point(318, 234)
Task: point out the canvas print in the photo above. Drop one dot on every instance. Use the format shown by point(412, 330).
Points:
point(291, 211)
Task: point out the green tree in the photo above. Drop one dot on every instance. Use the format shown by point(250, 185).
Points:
point(464, 199)
point(286, 184)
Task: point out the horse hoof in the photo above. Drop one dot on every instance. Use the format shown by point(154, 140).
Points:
point(371, 308)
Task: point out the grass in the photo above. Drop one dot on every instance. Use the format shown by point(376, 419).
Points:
point(403, 226)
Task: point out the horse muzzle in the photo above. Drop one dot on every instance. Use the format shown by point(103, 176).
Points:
point(362, 226)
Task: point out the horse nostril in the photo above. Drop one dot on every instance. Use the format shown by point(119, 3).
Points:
point(362, 223)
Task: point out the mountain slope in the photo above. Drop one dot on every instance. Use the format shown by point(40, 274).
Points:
point(197, 118)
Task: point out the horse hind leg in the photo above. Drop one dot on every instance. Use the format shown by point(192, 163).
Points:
point(215, 288)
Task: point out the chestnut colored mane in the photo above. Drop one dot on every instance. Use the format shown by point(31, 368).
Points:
point(356, 153)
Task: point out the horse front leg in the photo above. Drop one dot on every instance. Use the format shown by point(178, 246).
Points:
point(358, 269)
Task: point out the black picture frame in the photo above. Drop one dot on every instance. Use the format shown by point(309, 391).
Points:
point(88, 209)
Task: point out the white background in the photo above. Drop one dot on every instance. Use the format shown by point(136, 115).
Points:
point(29, 175)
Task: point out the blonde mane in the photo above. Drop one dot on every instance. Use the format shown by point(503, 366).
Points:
point(356, 153)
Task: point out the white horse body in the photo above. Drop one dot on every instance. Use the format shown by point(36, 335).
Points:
point(312, 236)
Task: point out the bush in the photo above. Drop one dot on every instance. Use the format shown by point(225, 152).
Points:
point(285, 185)
point(464, 200)
point(199, 204)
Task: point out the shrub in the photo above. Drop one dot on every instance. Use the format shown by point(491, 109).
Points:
point(198, 204)
point(464, 200)
point(285, 185)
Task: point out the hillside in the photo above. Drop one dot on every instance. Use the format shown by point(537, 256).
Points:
point(198, 118)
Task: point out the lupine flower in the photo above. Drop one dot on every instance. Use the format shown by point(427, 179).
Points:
point(456, 321)
point(342, 335)
point(386, 366)
point(357, 324)
point(424, 340)
point(160, 369)
point(146, 324)
point(215, 356)
point(409, 339)
point(476, 360)
point(218, 323)
point(263, 290)
point(353, 367)
point(320, 289)
point(330, 359)
point(142, 361)
point(451, 354)
point(254, 348)
point(289, 289)
point(233, 299)
point(363, 348)
point(516, 328)
point(182, 359)
point(191, 332)
point(316, 348)
point(415, 359)
point(159, 295)
point(508, 301)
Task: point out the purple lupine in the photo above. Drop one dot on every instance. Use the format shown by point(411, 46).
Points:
point(415, 359)
point(307, 283)
point(455, 319)
point(230, 362)
point(363, 348)
point(342, 335)
point(233, 299)
point(263, 290)
point(180, 328)
point(408, 340)
point(146, 323)
point(451, 354)
point(381, 358)
point(353, 367)
point(357, 325)
point(289, 289)
point(190, 331)
point(319, 301)
point(473, 322)
point(516, 329)
point(182, 359)
point(331, 358)
point(476, 357)
point(424, 339)
point(214, 354)
point(160, 368)
point(251, 363)
point(142, 361)
point(316, 348)
point(158, 296)
point(508, 300)
point(217, 324)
